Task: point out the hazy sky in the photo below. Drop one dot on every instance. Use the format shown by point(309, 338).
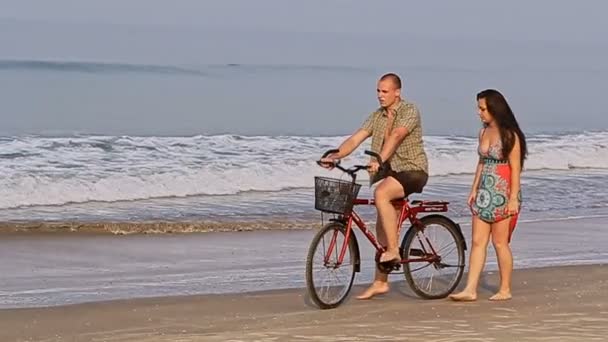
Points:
point(432, 42)
point(556, 20)
point(242, 31)
point(538, 19)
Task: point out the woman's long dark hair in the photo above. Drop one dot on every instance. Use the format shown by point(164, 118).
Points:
point(507, 124)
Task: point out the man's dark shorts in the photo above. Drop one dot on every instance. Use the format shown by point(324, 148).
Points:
point(412, 181)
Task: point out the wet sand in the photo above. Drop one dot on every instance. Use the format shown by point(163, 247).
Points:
point(70, 268)
point(151, 227)
point(568, 303)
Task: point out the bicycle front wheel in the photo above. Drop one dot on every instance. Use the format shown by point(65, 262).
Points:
point(435, 257)
point(329, 278)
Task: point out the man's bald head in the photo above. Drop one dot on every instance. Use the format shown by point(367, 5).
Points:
point(393, 78)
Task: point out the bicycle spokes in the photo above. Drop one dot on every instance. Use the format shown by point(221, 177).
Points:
point(435, 259)
point(332, 265)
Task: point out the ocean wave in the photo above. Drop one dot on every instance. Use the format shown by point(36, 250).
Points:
point(61, 170)
point(208, 226)
point(216, 70)
point(96, 67)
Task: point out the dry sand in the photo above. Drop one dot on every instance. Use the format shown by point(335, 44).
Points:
point(550, 304)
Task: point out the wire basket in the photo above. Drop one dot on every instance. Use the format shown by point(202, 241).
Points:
point(335, 195)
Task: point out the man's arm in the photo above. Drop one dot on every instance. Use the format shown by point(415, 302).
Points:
point(394, 140)
point(350, 144)
point(405, 121)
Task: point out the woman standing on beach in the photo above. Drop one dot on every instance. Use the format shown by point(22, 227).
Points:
point(495, 197)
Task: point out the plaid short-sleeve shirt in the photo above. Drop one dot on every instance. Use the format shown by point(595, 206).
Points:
point(410, 154)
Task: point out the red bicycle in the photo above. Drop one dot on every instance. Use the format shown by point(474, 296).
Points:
point(432, 250)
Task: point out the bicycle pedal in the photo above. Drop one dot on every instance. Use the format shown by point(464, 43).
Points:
point(388, 267)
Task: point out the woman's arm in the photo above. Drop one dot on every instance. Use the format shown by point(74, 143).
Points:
point(479, 166)
point(515, 163)
point(477, 176)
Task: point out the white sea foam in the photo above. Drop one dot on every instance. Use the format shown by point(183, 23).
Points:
point(60, 170)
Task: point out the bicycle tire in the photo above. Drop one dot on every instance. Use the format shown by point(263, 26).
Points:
point(409, 239)
point(310, 280)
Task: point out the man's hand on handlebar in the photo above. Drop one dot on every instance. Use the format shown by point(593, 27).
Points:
point(373, 166)
point(330, 161)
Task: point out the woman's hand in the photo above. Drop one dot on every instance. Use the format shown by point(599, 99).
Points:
point(513, 206)
point(472, 197)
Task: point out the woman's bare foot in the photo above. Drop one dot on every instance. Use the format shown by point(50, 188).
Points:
point(376, 288)
point(501, 296)
point(464, 296)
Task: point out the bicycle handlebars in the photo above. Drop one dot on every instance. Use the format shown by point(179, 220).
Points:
point(353, 169)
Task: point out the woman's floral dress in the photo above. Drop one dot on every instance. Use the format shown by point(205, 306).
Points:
point(494, 188)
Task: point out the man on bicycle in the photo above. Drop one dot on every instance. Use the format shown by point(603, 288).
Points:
point(396, 133)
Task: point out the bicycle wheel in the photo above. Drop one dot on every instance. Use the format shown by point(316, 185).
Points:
point(328, 282)
point(435, 254)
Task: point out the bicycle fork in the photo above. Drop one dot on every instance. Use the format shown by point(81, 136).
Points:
point(334, 244)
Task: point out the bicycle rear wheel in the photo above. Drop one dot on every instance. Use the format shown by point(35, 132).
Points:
point(435, 254)
point(327, 280)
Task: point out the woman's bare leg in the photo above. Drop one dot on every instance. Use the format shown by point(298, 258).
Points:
point(500, 240)
point(477, 260)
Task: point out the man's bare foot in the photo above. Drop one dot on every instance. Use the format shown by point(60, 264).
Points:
point(375, 288)
point(501, 296)
point(390, 256)
point(463, 296)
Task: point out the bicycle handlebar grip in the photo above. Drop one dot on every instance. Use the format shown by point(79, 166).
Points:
point(320, 163)
point(375, 155)
point(335, 150)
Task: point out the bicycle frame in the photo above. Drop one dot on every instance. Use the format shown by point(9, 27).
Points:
point(416, 246)
point(407, 212)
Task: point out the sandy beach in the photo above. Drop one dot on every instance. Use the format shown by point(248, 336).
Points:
point(567, 303)
point(230, 286)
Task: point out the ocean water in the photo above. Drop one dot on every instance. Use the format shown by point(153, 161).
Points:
point(65, 97)
point(123, 178)
point(144, 142)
